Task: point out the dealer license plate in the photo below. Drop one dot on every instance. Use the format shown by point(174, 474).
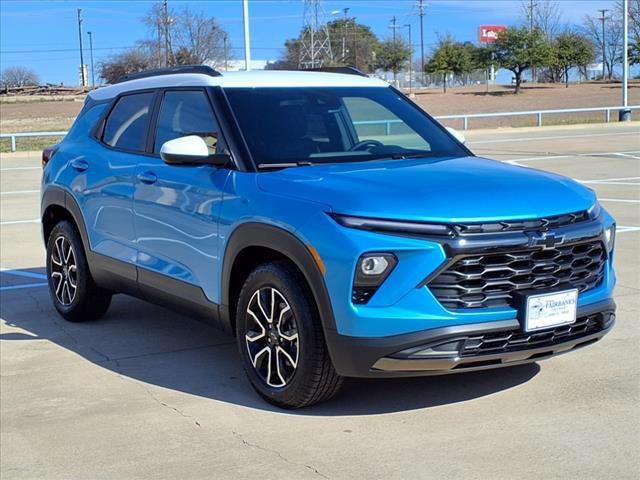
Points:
point(551, 310)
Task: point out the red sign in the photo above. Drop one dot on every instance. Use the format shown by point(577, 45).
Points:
point(489, 33)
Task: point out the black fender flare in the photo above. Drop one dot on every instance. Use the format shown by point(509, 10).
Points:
point(60, 197)
point(254, 234)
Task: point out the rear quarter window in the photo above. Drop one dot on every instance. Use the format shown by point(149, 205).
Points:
point(85, 122)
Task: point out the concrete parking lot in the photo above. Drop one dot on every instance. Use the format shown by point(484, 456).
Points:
point(147, 393)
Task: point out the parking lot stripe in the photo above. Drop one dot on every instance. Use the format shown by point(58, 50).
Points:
point(620, 200)
point(555, 137)
point(20, 192)
point(20, 222)
point(625, 154)
point(20, 287)
point(625, 229)
point(10, 169)
point(22, 273)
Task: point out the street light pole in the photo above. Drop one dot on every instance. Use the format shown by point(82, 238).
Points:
point(625, 113)
point(421, 8)
point(247, 40)
point(93, 76)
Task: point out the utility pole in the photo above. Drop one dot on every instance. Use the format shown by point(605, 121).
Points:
point(625, 113)
point(603, 18)
point(165, 9)
point(344, 34)
point(394, 26)
point(408, 25)
point(93, 76)
point(531, 8)
point(83, 80)
point(421, 14)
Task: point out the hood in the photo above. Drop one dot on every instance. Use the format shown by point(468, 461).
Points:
point(462, 189)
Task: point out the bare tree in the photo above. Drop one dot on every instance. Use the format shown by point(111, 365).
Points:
point(130, 61)
point(613, 35)
point(18, 77)
point(545, 15)
point(181, 36)
point(634, 16)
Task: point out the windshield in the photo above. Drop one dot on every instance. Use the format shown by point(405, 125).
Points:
point(335, 124)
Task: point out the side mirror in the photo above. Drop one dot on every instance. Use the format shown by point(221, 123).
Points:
point(191, 150)
point(458, 136)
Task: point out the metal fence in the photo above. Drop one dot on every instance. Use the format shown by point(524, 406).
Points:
point(539, 114)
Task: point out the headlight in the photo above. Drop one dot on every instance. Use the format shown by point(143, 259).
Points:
point(371, 271)
point(610, 236)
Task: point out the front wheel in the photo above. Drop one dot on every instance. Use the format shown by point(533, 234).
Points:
point(281, 341)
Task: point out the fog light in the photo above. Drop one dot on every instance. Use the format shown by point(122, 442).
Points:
point(371, 272)
point(374, 265)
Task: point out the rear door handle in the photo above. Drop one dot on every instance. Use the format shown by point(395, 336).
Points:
point(80, 165)
point(148, 177)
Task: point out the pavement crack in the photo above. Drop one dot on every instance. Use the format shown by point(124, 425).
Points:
point(277, 453)
point(155, 398)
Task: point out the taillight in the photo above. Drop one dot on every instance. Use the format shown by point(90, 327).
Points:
point(47, 154)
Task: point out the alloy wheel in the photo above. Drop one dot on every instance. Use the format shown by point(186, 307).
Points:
point(64, 271)
point(272, 337)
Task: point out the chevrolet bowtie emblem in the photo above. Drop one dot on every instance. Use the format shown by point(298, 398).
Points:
point(545, 239)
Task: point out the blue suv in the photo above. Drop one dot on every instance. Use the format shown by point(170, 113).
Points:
point(326, 221)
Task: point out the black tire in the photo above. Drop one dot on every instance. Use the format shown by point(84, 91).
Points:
point(313, 378)
point(86, 301)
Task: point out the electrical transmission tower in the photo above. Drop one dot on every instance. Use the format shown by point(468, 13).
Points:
point(315, 46)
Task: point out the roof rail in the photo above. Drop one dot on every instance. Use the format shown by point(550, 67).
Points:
point(203, 69)
point(343, 70)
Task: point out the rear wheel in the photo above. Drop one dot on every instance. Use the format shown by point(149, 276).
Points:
point(73, 291)
point(281, 341)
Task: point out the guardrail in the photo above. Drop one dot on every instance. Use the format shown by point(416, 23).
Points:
point(387, 123)
point(538, 113)
point(13, 136)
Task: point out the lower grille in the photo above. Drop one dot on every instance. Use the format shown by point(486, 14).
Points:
point(514, 340)
point(491, 279)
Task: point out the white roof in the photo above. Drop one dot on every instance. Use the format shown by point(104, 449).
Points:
point(253, 78)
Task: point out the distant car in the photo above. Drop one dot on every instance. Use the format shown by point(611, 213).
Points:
point(325, 220)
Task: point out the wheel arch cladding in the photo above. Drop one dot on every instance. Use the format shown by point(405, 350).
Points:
point(58, 204)
point(251, 240)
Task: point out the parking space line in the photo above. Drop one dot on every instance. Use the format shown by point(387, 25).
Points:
point(555, 137)
point(626, 229)
point(625, 154)
point(11, 169)
point(26, 285)
point(20, 222)
point(22, 273)
point(620, 200)
point(20, 192)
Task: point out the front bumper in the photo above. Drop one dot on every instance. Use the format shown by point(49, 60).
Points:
point(466, 348)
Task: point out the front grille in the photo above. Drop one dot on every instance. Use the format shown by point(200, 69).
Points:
point(492, 279)
point(539, 224)
point(514, 340)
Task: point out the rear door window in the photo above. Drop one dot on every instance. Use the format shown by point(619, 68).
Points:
point(126, 126)
point(186, 112)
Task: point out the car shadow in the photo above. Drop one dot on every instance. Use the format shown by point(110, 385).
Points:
point(156, 346)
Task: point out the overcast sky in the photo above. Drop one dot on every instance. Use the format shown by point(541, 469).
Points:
point(44, 35)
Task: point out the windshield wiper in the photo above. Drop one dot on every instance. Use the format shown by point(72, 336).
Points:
point(273, 166)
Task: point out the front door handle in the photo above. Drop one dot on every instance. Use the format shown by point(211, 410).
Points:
point(148, 177)
point(79, 165)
